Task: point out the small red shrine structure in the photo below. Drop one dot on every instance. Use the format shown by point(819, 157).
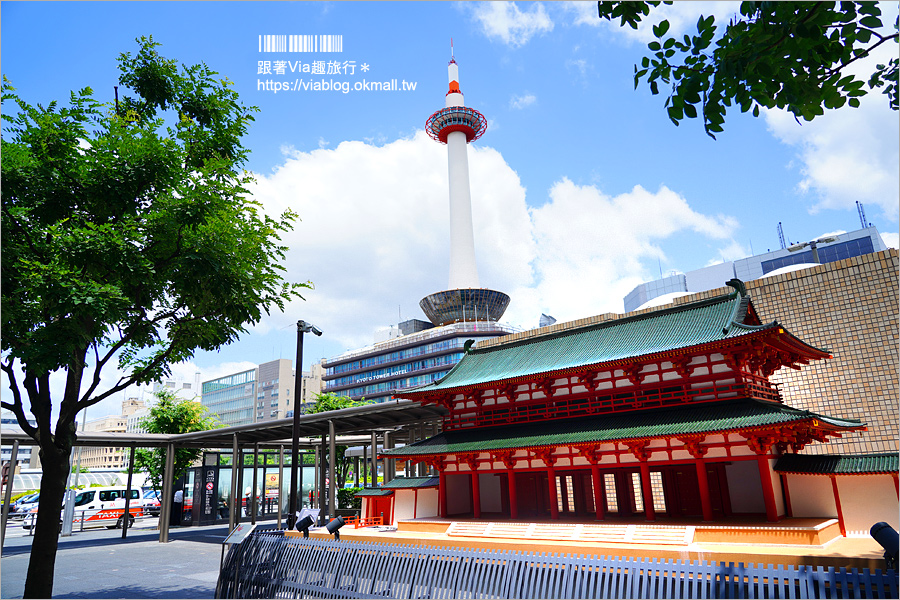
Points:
point(668, 412)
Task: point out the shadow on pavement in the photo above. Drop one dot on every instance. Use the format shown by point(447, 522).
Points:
point(137, 591)
point(207, 535)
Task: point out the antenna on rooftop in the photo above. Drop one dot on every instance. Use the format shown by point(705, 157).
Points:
point(781, 235)
point(862, 214)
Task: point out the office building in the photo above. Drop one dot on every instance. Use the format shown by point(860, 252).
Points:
point(418, 353)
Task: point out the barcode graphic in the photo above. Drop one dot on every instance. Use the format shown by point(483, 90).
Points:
point(301, 43)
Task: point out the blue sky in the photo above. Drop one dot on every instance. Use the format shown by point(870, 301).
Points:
point(581, 186)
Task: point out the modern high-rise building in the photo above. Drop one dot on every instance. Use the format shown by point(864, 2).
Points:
point(264, 393)
point(418, 353)
point(820, 251)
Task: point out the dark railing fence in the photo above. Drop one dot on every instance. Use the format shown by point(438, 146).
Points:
point(268, 565)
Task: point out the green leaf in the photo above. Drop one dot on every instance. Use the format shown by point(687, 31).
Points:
point(870, 22)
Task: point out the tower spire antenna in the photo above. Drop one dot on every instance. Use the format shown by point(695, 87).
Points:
point(452, 58)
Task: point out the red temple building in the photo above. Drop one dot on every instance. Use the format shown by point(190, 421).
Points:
point(668, 412)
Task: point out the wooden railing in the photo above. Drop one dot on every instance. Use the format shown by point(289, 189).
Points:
point(358, 522)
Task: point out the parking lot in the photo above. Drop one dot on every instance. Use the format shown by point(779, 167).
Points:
point(98, 563)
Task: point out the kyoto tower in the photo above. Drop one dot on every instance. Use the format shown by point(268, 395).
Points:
point(456, 126)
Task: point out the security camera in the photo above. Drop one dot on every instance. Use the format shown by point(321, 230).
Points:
point(305, 327)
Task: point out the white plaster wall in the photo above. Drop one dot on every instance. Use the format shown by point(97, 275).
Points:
point(404, 505)
point(459, 494)
point(866, 500)
point(745, 487)
point(489, 489)
point(811, 496)
point(428, 503)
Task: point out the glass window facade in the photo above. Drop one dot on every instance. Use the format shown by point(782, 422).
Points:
point(231, 398)
point(827, 254)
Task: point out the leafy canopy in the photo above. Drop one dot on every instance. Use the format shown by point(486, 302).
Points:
point(790, 55)
point(129, 240)
point(171, 414)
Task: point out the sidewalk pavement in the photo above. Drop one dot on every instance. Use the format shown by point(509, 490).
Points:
point(98, 563)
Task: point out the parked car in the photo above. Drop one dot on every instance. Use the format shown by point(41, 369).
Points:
point(103, 506)
point(24, 506)
point(151, 503)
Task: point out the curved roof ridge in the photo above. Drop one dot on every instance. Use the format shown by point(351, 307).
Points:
point(606, 324)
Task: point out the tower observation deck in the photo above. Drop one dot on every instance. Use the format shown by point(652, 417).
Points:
point(456, 125)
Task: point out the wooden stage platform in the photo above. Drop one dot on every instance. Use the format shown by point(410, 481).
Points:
point(805, 541)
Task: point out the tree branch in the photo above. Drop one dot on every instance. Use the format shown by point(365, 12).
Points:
point(16, 407)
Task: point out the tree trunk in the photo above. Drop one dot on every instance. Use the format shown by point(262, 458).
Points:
point(55, 464)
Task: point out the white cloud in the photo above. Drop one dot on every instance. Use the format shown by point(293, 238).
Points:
point(505, 22)
point(520, 102)
point(892, 239)
point(590, 247)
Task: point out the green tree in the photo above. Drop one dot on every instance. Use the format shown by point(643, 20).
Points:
point(130, 241)
point(331, 401)
point(790, 55)
point(172, 414)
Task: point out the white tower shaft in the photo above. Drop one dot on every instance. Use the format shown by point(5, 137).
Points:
point(463, 270)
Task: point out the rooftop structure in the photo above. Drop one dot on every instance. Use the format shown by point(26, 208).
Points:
point(820, 251)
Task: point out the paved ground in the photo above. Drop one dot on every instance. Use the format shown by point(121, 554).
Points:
point(98, 563)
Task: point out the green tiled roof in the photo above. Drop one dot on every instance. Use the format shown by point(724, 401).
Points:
point(838, 464)
point(374, 492)
point(716, 319)
point(683, 420)
point(411, 482)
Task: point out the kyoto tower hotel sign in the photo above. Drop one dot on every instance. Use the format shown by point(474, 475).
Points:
point(456, 126)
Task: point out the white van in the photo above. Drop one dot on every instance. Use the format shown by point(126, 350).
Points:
point(106, 506)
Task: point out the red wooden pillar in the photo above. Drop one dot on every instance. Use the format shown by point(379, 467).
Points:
point(554, 501)
point(768, 489)
point(788, 509)
point(703, 482)
point(476, 496)
point(897, 485)
point(837, 504)
point(513, 506)
point(647, 492)
point(598, 492)
point(442, 494)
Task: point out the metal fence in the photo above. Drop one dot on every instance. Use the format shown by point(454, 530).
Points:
point(268, 565)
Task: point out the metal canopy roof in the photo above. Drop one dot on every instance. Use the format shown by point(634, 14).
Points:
point(358, 420)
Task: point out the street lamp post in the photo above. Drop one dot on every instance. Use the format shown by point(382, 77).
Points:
point(302, 327)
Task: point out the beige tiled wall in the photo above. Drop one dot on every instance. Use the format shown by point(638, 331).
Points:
point(849, 308)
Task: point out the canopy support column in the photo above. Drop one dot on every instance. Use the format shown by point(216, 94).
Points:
point(167, 497)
